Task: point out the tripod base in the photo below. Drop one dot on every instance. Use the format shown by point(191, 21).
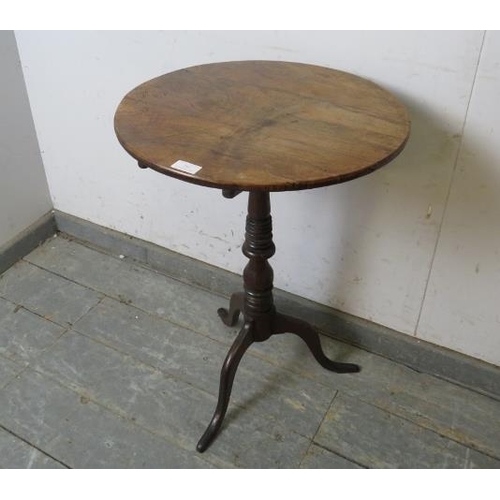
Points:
point(249, 333)
point(257, 306)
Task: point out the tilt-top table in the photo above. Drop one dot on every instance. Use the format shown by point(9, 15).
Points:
point(261, 126)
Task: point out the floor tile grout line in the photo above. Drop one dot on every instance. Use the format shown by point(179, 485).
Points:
point(14, 378)
point(115, 299)
point(131, 261)
point(166, 374)
point(62, 276)
point(205, 335)
point(125, 354)
point(28, 362)
point(325, 447)
point(180, 377)
point(331, 450)
point(266, 359)
point(222, 344)
point(112, 409)
point(174, 376)
point(256, 355)
point(314, 442)
point(117, 412)
point(110, 297)
point(170, 321)
point(202, 334)
point(36, 313)
point(311, 441)
point(15, 361)
point(281, 367)
point(49, 347)
point(147, 267)
point(429, 429)
point(83, 391)
point(471, 446)
point(94, 306)
point(163, 319)
point(24, 440)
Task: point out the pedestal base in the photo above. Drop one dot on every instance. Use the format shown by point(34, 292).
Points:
point(257, 305)
point(258, 331)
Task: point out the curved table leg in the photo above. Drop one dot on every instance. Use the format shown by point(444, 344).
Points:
point(240, 345)
point(230, 317)
point(288, 324)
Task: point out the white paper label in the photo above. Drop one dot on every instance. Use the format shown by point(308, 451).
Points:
point(185, 166)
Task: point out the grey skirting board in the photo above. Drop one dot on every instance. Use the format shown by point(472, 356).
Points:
point(27, 240)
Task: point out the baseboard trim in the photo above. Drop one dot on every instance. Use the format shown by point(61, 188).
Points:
point(417, 354)
point(27, 240)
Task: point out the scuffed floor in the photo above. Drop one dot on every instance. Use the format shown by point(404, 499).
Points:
point(105, 363)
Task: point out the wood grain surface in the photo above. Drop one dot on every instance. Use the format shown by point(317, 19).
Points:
point(262, 125)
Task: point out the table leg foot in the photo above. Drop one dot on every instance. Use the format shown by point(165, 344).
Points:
point(240, 345)
point(230, 317)
point(289, 324)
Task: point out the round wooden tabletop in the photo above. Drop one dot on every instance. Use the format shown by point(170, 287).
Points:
point(261, 125)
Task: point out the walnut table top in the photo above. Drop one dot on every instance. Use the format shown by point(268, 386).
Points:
point(262, 125)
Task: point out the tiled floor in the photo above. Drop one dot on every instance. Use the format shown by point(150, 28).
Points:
point(107, 364)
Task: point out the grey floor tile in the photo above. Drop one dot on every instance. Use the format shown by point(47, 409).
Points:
point(192, 271)
point(35, 407)
point(23, 335)
point(183, 304)
point(249, 440)
point(8, 370)
point(197, 359)
point(16, 454)
point(95, 438)
point(137, 391)
point(297, 402)
point(80, 434)
point(131, 388)
point(46, 294)
point(378, 439)
point(164, 405)
point(155, 341)
point(456, 412)
point(164, 374)
point(319, 458)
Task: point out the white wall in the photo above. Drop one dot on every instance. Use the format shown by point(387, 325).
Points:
point(463, 295)
point(24, 194)
point(373, 242)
